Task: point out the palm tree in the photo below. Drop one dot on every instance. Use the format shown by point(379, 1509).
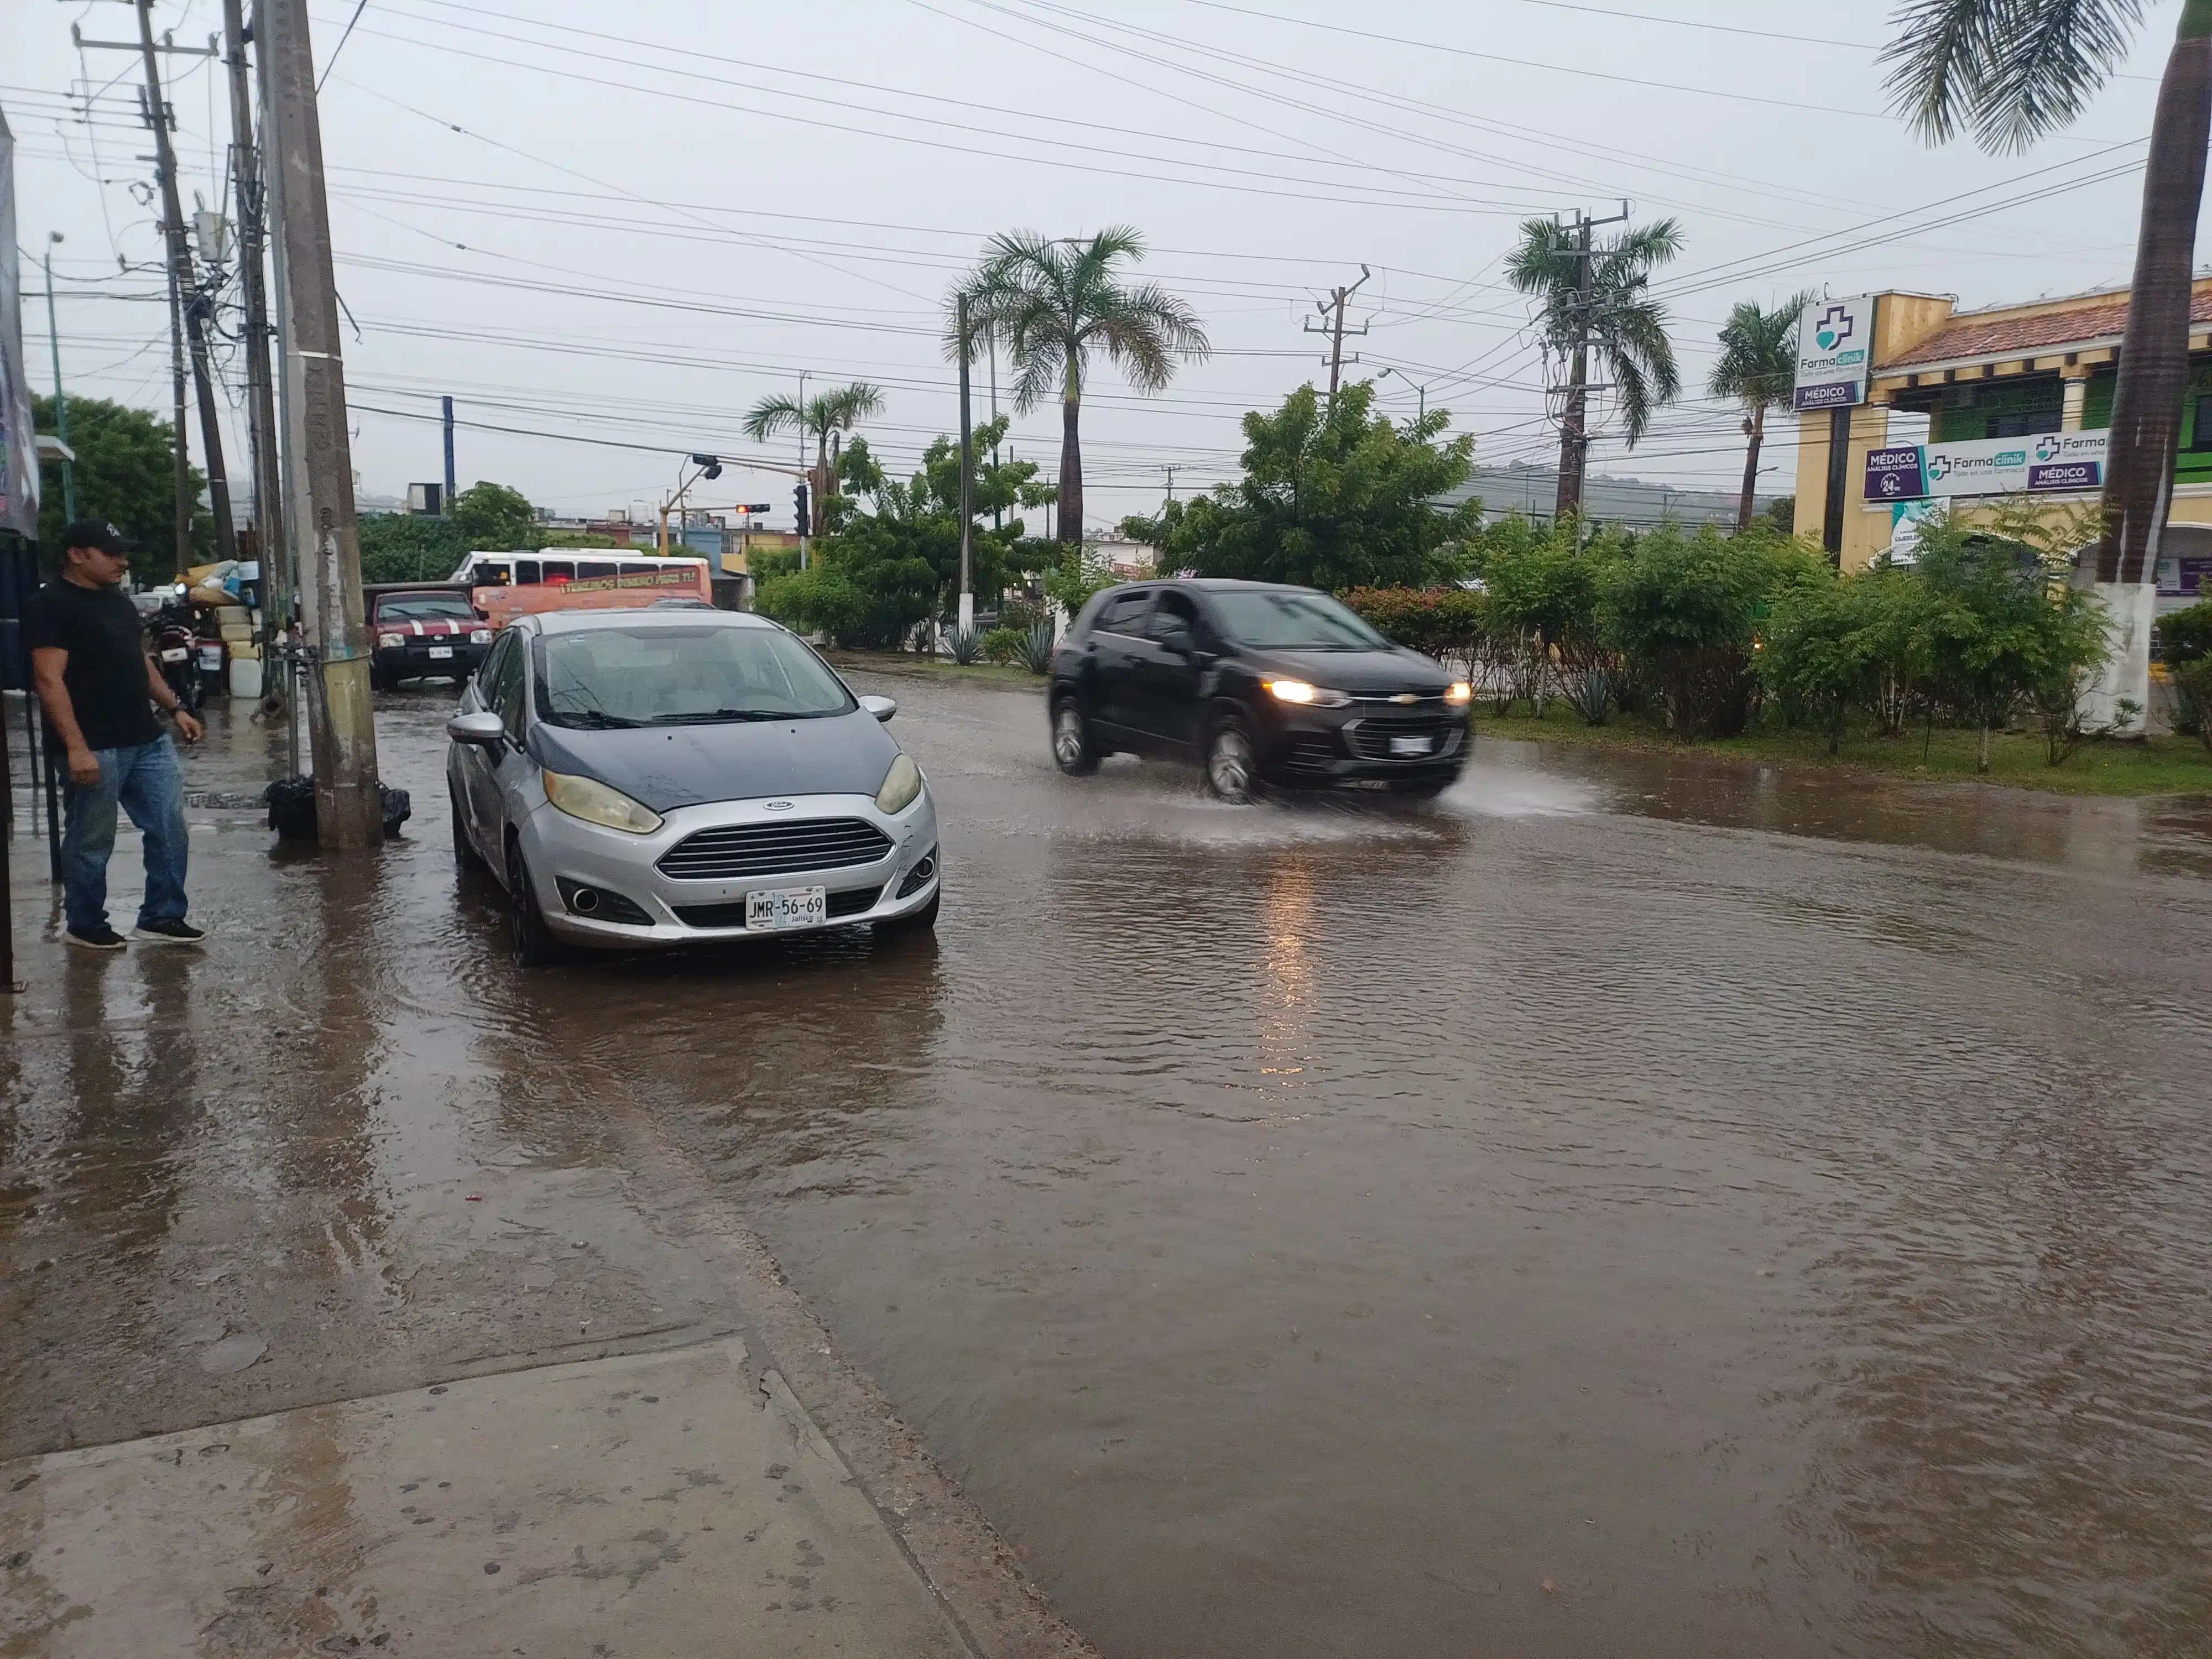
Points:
point(2012, 71)
point(821, 418)
point(1052, 302)
point(1626, 328)
point(1758, 369)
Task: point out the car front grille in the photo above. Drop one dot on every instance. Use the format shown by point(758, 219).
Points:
point(739, 852)
point(857, 902)
point(1371, 737)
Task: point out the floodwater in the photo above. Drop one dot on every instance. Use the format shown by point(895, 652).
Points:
point(1636, 1206)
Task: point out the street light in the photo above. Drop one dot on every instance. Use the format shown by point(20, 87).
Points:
point(1423, 390)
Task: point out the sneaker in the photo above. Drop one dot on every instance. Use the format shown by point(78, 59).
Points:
point(178, 931)
point(102, 938)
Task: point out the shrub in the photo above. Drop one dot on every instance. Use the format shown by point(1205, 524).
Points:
point(1442, 622)
point(1036, 652)
point(1003, 644)
point(1019, 616)
point(2192, 684)
point(966, 645)
point(1684, 611)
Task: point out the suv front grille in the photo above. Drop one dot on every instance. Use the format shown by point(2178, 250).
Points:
point(739, 852)
point(1371, 737)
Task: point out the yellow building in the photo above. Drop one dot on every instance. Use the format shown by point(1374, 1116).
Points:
point(2026, 371)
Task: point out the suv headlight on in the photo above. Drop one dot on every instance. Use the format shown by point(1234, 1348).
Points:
point(1300, 691)
point(1459, 694)
point(902, 785)
point(593, 802)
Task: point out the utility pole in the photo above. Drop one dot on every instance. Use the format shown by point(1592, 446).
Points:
point(61, 403)
point(449, 458)
point(967, 477)
point(191, 304)
point(342, 725)
point(805, 514)
point(276, 577)
point(1335, 330)
point(1574, 426)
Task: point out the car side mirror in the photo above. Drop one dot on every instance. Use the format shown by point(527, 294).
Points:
point(1179, 640)
point(484, 729)
point(882, 707)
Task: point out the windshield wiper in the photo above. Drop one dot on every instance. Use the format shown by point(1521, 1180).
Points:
point(597, 719)
point(713, 716)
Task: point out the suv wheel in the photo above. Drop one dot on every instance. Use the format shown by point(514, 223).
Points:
point(1232, 763)
point(1072, 747)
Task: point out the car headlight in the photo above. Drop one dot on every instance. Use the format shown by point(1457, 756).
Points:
point(902, 785)
point(1459, 694)
point(391, 641)
point(593, 802)
point(1301, 691)
point(481, 637)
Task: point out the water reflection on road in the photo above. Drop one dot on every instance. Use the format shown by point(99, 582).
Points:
point(1636, 1206)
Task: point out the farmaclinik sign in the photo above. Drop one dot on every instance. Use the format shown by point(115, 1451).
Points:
point(1834, 340)
point(1987, 466)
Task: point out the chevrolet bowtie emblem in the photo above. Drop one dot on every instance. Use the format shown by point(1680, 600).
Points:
point(1405, 696)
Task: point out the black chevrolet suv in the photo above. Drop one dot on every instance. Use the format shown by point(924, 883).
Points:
point(1257, 683)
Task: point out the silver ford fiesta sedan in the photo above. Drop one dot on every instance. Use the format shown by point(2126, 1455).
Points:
point(675, 776)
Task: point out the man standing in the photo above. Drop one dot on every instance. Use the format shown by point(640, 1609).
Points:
point(88, 658)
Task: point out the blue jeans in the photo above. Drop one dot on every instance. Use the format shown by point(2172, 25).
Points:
point(145, 782)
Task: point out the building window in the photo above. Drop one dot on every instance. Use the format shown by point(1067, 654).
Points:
point(2025, 423)
point(2200, 430)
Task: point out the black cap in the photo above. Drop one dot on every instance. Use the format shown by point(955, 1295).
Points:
point(94, 533)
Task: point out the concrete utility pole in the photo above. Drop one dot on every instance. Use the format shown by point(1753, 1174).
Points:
point(342, 725)
point(967, 477)
point(1335, 330)
point(449, 456)
point(61, 403)
point(276, 577)
point(1574, 425)
point(188, 298)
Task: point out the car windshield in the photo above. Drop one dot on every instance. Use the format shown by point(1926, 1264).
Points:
point(1293, 622)
point(424, 607)
point(613, 677)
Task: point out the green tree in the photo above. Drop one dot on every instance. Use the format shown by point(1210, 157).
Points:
point(126, 474)
point(1052, 305)
point(1758, 369)
point(2014, 70)
point(1332, 496)
point(1627, 328)
point(407, 547)
point(824, 417)
point(494, 518)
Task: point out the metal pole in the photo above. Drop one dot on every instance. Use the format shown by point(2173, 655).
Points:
point(967, 481)
point(260, 405)
point(806, 523)
point(449, 456)
point(188, 294)
point(342, 725)
point(61, 400)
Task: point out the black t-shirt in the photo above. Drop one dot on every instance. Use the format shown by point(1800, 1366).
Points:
point(106, 672)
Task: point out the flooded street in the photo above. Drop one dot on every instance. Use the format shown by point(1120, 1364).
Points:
point(1636, 1206)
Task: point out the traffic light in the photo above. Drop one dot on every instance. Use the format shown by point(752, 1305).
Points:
point(798, 500)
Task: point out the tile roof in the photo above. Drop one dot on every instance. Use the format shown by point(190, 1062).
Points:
point(2031, 331)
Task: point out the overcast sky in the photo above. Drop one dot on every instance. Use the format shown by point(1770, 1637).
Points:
point(626, 223)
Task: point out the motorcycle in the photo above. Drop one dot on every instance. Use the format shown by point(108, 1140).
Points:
point(176, 647)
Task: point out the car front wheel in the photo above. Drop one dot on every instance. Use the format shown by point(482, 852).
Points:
point(530, 940)
point(1073, 750)
point(1232, 762)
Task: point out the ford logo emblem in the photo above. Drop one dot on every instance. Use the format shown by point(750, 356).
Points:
point(777, 807)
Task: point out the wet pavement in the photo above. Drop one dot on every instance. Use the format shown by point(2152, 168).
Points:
point(1639, 1205)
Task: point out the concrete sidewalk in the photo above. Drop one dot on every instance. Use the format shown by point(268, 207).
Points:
point(649, 1503)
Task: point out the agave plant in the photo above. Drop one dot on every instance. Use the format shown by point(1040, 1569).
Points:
point(1589, 687)
point(1036, 649)
point(967, 645)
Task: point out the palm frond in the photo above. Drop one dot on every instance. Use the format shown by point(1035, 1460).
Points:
point(773, 415)
point(1639, 359)
point(2011, 71)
